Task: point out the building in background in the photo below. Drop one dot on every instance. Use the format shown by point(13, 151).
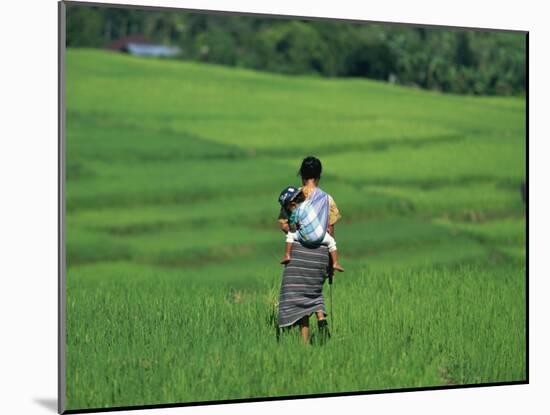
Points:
point(139, 45)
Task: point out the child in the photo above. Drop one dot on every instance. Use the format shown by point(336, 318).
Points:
point(300, 211)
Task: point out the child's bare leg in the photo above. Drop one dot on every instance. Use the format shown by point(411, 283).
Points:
point(320, 315)
point(335, 264)
point(329, 241)
point(286, 258)
point(304, 329)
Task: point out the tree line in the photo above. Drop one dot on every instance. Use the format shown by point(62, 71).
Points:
point(448, 60)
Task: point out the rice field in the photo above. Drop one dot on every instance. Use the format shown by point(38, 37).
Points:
point(173, 173)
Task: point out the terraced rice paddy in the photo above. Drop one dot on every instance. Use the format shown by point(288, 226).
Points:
point(173, 173)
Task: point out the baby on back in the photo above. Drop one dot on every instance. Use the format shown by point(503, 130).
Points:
point(308, 222)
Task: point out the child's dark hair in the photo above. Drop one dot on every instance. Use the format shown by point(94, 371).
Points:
point(311, 168)
point(299, 198)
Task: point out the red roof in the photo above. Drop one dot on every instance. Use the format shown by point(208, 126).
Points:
point(122, 42)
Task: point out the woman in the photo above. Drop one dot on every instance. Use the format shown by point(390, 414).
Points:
point(302, 286)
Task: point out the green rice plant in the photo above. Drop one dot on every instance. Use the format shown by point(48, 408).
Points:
point(173, 173)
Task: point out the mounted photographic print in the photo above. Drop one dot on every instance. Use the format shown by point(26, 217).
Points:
point(258, 207)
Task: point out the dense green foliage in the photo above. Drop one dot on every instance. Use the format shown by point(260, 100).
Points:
point(458, 61)
point(174, 169)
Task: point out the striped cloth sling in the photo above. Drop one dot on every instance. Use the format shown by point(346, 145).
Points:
point(312, 216)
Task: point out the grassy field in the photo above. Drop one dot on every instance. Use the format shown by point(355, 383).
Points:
point(173, 173)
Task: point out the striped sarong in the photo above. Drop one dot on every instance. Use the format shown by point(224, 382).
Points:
point(302, 285)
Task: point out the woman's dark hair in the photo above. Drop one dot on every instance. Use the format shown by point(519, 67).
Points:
point(311, 168)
